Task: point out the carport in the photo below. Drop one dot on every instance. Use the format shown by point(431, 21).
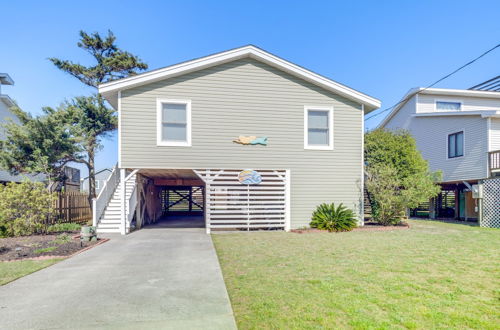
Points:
point(215, 197)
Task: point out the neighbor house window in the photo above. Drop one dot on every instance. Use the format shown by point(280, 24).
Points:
point(97, 184)
point(318, 128)
point(448, 106)
point(456, 145)
point(174, 123)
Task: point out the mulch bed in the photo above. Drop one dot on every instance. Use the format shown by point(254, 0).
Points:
point(36, 247)
point(367, 227)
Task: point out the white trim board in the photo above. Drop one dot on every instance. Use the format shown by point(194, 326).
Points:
point(159, 138)
point(328, 109)
point(109, 90)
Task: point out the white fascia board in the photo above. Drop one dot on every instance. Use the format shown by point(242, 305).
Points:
point(5, 79)
point(412, 92)
point(483, 113)
point(7, 100)
point(460, 92)
point(109, 89)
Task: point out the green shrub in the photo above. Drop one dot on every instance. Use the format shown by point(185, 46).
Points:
point(62, 227)
point(25, 208)
point(331, 218)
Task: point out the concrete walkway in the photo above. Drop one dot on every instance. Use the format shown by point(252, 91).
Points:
point(155, 278)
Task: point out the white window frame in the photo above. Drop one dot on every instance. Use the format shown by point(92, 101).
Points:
point(306, 127)
point(448, 101)
point(159, 113)
point(448, 144)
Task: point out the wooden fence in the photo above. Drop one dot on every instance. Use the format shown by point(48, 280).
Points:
point(72, 206)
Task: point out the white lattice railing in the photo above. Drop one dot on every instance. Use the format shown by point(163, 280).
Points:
point(232, 205)
point(131, 205)
point(99, 204)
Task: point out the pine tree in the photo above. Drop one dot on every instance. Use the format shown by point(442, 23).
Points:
point(94, 120)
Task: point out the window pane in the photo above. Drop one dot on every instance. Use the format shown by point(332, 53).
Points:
point(318, 137)
point(460, 144)
point(317, 119)
point(451, 146)
point(174, 132)
point(449, 106)
point(174, 113)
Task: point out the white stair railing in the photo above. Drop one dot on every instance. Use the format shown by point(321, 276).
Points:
point(99, 204)
point(131, 205)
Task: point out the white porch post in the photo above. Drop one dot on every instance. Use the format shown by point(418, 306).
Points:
point(288, 218)
point(123, 215)
point(94, 212)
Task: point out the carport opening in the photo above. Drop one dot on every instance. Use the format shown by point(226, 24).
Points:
point(176, 197)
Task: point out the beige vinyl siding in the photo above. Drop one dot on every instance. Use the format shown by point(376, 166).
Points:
point(495, 134)
point(247, 97)
point(426, 103)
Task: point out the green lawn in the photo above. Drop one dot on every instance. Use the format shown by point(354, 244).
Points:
point(9, 271)
point(434, 275)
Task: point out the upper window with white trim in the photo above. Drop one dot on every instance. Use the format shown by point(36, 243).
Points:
point(174, 122)
point(318, 128)
point(448, 106)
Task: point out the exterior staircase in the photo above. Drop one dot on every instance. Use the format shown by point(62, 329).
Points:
point(110, 221)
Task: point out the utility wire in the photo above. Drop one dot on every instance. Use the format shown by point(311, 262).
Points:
point(434, 83)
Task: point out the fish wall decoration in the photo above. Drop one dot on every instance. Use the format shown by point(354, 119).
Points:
point(251, 140)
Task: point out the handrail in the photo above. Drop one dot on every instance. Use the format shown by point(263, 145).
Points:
point(131, 205)
point(99, 204)
point(494, 160)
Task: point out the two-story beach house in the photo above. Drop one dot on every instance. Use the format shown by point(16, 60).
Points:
point(458, 133)
point(243, 138)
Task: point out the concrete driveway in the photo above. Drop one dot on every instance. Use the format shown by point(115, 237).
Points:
point(155, 278)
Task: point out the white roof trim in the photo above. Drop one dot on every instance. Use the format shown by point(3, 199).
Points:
point(482, 113)
point(7, 100)
point(437, 91)
point(5, 79)
point(108, 90)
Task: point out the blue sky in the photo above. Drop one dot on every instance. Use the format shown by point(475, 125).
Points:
point(382, 48)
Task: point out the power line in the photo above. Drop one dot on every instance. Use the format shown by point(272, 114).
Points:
point(434, 83)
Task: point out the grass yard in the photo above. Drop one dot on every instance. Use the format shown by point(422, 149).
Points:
point(9, 271)
point(434, 275)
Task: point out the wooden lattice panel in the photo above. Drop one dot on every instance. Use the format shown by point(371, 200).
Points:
point(491, 203)
point(232, 205)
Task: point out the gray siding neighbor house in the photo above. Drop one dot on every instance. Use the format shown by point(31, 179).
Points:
point(100, 179)
point(242, 137)
point(458, 133)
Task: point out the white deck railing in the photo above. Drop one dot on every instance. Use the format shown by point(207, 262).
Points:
point(99, 204)
point(131, 205)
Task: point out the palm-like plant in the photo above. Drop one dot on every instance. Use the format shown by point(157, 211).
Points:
point(331, 218)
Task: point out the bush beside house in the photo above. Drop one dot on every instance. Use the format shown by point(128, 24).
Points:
point(398, 178)
point(25, 208)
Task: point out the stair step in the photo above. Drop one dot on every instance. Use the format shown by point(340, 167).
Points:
point(108, 230)
point(109, 226)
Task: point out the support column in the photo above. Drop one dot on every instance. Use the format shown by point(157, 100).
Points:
point(123, 213)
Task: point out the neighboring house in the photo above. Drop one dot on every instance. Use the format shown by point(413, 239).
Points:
point(100, 178)
point(188, 131)
point(5, 115)
point(458, 133)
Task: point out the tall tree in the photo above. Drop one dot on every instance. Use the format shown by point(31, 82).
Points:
point(111, 63)
point(88, 121)
point(40, 144)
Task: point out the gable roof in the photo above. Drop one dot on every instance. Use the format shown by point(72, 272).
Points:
point(436, 91)
point(110, 89)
